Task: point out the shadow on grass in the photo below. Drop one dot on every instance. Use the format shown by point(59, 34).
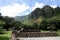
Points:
point(1, 32)
point(4, 38)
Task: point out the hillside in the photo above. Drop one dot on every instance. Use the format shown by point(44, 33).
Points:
point(46, 13)
point(20, 18)
point(57, 17)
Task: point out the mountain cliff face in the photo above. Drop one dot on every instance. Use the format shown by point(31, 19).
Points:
point(46, 12)
point(36, 13)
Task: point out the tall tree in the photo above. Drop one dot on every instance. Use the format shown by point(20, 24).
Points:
point(1, 17)
point(8, 22)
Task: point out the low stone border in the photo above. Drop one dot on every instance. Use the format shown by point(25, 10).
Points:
point(19, 34)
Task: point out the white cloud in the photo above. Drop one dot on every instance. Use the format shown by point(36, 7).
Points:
point(37, 5)
point(13, 10)
point(25, 13)
point(53, 6)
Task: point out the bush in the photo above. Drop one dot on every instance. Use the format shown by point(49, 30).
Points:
point(4, 38)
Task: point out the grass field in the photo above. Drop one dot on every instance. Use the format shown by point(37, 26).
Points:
point(58, 32)
point(5, 35)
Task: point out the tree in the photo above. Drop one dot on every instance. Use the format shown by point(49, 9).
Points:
point(1, 17)
point(34, 25)
point(48, 25)
point(8, 22)
point(1, 22)
point(16, 25)
point(1, 25)
point(57, 23)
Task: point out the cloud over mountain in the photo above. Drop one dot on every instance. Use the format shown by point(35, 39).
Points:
point(13, 10)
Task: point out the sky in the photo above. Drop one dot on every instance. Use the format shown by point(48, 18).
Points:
point(14, 8)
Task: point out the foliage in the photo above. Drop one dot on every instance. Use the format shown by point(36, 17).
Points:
point(28, 22)
point(8, 22)
point(16, 25)
point(58, 32)
point(57, 17)
point(4, 38)
point(6, 35)
point(50, 25)
point(1, 25)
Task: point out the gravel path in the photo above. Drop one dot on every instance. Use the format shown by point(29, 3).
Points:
point(41, 38)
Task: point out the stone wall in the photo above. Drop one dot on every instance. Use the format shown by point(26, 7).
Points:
point(34, 34)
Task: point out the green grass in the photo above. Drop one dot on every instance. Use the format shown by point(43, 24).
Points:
point(54, 18)
point(5, 35)
point(58, 32)
point(28, 22)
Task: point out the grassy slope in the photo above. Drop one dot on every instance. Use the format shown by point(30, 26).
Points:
point(58, 32)
point(6, 35)
point(40, 19)
point(28, 22)
point(54, 18)
point(31, 21)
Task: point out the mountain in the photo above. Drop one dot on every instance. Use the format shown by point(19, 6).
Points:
point(46, 13)
point(20, 18)
point(36, 13)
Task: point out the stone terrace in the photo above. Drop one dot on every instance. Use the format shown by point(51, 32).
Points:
point(27, 34)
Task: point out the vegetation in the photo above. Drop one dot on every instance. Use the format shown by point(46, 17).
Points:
point(5, 35)
point(28, 22)
point(58, 32)
point(6, 24)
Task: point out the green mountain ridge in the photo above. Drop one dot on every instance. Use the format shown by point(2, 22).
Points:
point(46, 13)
